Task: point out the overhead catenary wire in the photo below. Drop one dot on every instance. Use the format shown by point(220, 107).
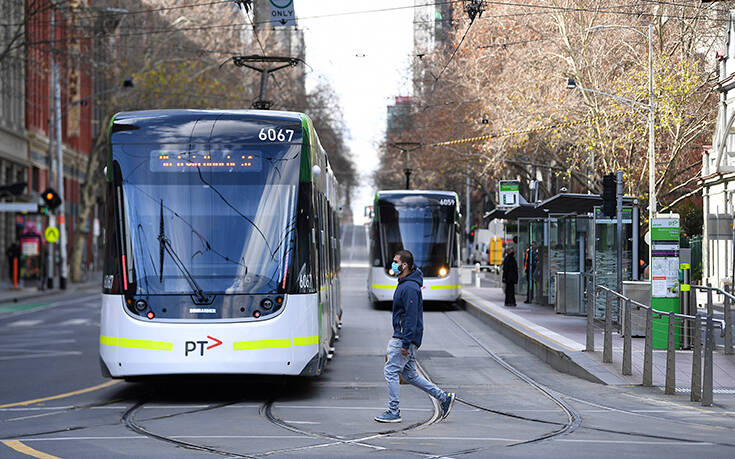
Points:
point(509, 133)
point(609, 10)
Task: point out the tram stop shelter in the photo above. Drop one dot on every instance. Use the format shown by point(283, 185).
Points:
point(575, 246)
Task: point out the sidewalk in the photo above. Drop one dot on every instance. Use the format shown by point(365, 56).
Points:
point(560, 341)
point(10, 296)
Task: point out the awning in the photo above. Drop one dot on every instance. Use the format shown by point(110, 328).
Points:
point(496, 213)
point(573, 203)
point(525, 211)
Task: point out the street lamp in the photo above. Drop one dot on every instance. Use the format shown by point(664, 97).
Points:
point(407, 148)
point(650, 109)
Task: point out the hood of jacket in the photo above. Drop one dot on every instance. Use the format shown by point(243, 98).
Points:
point(416, 276)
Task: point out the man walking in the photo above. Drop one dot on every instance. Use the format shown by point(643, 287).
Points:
point(408, 329)
point(510, 276)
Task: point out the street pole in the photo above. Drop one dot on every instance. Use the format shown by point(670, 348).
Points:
point(60, 182)
point(467, 213)
point(407, 170)
point(651, 140)
point(619, 231)
point(51, 123)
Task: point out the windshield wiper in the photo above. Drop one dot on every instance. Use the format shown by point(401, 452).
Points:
point(165, 245)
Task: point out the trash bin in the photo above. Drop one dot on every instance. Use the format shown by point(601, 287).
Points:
point(568, 293)
point(639, 291)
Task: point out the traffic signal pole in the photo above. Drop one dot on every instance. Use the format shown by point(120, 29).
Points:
point(63, 270)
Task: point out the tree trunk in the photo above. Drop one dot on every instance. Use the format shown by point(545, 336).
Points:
point(87, 198)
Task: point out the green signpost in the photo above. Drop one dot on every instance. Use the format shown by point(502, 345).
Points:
point(664, 270)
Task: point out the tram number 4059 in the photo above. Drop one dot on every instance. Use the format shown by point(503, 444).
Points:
point(275, 135)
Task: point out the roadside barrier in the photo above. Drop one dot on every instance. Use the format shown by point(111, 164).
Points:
point(701, 383)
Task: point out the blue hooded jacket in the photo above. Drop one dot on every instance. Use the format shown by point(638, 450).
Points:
point(408, 309)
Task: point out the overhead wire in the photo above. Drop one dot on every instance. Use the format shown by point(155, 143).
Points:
point(609, 10)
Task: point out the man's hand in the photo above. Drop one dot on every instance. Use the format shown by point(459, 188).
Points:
point(404, 351)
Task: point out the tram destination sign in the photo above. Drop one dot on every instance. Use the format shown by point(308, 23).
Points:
point(219, 161)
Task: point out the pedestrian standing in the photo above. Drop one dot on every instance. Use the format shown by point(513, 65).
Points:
point(408, 330)
point(530, 262)
point(510, 276)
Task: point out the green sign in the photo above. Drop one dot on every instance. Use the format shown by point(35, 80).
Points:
point(509, 193)
point(664, 268)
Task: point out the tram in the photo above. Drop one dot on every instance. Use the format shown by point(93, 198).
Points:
point(221, 245)
point(427, 224)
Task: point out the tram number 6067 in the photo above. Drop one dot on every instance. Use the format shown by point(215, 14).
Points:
point(273, 135)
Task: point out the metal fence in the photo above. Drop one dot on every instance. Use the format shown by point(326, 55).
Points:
point(701, 383)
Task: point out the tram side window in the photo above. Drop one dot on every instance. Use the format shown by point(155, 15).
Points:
point(375, 254)
point(111, 278)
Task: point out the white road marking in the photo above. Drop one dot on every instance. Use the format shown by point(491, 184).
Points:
point(24, 323)
point(636, 442)
point(313, 407)
point(35, 416)
point(301, 422)
point(40, 354)
point(76, 322)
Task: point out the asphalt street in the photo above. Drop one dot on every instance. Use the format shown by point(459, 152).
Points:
point(55, 403)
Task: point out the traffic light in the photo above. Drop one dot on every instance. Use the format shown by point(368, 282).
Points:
point(471, 236)
point(51, 198)
point(609, 195)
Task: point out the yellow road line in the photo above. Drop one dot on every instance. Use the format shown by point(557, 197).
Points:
point(64, 395)
point(305, 340)
point(27, 450)
point(261, 344)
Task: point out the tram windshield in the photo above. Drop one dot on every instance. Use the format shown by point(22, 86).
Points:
point(209, 219)
point(424, 226)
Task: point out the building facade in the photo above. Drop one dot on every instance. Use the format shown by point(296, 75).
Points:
point(718, 175)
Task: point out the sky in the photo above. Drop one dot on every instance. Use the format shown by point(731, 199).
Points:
point(366, 58)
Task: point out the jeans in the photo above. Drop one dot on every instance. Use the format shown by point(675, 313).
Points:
point(405, 365)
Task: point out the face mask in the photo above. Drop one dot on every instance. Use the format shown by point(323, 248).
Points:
point(395, 267)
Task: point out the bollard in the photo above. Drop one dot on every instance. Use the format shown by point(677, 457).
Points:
point(648, 351)
point(670, 388)
point(15, 272)
point(708, 348)
point(728, 325)
point(607, 339)
point(590, 343)
point(477, 275)
point(696, 392)
point(627, 345)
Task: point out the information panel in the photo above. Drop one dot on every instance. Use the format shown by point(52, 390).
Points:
point(664, 275)
point(218, 161)
point(509, 193)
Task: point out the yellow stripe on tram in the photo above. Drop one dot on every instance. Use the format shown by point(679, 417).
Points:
point(439, 287)
point(262, 344)
point(136, 343)
point(390, 286)
point(27, 450)
point(305, 340)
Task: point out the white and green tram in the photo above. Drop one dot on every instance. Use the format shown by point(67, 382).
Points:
point(426, 223)
point(221, 245)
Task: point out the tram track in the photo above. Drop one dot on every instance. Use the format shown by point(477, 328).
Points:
point(574, 419)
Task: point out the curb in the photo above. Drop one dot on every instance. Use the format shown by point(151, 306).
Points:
point(566, 357)
point(21, 297)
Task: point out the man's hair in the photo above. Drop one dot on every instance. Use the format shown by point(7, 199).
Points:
point(406, 257)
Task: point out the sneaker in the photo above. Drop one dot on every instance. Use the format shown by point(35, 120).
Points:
point(389, 417)
point(447, 404)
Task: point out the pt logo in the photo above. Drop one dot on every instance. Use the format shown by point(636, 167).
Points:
point(191, 346)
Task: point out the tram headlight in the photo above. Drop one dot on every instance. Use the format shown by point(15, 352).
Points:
point(141, 305)
point(267, 304)
point(443, 271)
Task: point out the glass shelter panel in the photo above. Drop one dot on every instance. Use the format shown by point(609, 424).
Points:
point(605, 263)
